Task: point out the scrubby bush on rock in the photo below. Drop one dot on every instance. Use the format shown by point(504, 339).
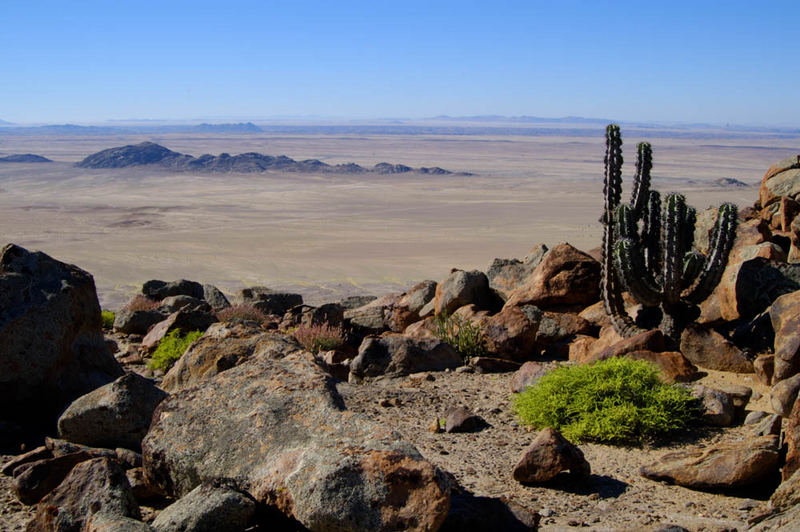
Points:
point(242, 311)
point(321, 337)
point(613, 401)
point(462, 335)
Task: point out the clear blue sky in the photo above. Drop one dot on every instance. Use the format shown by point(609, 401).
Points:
point(699, 61)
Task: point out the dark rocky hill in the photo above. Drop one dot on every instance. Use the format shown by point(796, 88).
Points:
point(151, 154)
point(24, 158)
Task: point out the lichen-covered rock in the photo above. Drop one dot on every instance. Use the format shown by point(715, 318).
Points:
point(207, 508)
point(548, 455)
point(395, 355)
point(104, 522)
point(214, 297)
point(372, 317)
point(718, 407)
point(721, 467)
point(748, 288)
point(115, 415)
point(51, 340)
point(276, 428)
point(36, 479)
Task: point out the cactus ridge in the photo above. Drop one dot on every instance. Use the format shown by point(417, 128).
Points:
point(656, 264)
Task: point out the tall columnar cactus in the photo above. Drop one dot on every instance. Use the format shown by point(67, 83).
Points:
point(647, 249)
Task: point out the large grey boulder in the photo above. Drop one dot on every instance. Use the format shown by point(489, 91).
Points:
point(207, 509)
point(276, 428)
point(505, 275)
point(51, 340)
point(129, 321)
point(395, 355)
point(115, 415)
point(465, 288)
point(159, 290)
point(215, 297)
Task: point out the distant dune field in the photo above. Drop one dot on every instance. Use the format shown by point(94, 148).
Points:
point(334, 235)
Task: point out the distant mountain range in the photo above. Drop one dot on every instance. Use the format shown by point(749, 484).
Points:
point(24, 158)
point(152, 154)
point(73, 129)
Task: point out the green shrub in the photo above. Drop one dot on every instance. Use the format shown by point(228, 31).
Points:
point(618, 400)
point(318, 338)
point(171, 348)
point(108, 319)
point(464, 336)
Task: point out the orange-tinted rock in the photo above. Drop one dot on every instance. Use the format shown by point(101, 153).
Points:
point(405, 310)
point(529, 374)
point(511, 333)
point(764, 367)
point(548, 455)
point(709, 349)
point(566, 276)
point(781, 179)
point(789, 211)
point(792, 441)
point(421, 329)
point(673, 365)
point(652, 340)
point(582, 347)
point(507, 274)
point(785, 316)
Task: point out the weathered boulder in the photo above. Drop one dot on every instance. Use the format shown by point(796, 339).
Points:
point(706, 348)
point(269, 301)
point(51, 340)
point(223, 347)
point(97, 486)
point(674, 367)
point(34, 480)
point(159, 290)
point(556, 327)
point(511, 333)
point(129, 321)
point(184, 321)
point(548, 455)
point(781, 180)
point(783, 395)
point(652, 340)
point(214, 297)
point(207, 508)
point(464, 288)
point(115, 415)
point(748, 288)
point(372, 317)
point(34, 455)
point(406, 310)
point(725, 466)
point(566, 276)
point(330, 314)
point(277, 429)
point(785, 316)
point(505, 275)
point(394, 355)
point(462, 419)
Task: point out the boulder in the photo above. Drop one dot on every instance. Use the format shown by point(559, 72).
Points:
point(223, 347)
point(529, 374)
point(783, 395)
point(269, 301)
point(548, 455)
point(352, 302)
point(487, 514)
point(406, 310)
point(708, 349)
point(276, 428)
point(781, 180)
point(783, 512)
point(511, 333)
point(505, 275)
point(556, 327)
point(652, 340)
point(764, 367)
point(769, 425)
point(174, 303)
point(51, 339)
point(724, 466)
point(674, 367)
point(792, 442)
point(181, 320)
point(462, 419)
point(159, 290)
point(34, 455)
point(331, 314)
point(372, 317)
point(97, 486)
point(395, 355)
point(129, 321)
point(748, 288)
point(208, 508)
point(34, 480)
point(784, 314)
point(464, 288)
point(566, 276)
point(104, 522)
point(424, 328)
point(214, 297)
point(115, 415)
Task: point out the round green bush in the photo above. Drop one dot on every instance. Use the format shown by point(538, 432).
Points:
point(618, 400)
point(108, 319)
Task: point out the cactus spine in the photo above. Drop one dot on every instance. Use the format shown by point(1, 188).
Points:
point(656, 263)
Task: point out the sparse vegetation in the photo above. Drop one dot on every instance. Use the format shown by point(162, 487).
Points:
point(241, 311)
point(617, 401)
point(108, 319)
point(321, 337)
point(142, 302)
point(462, 334)
point(171, 348)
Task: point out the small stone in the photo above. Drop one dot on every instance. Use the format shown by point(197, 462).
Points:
point(462, 419)
point(548, 455)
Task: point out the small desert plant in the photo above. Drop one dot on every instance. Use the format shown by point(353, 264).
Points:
point(618, 400)
point(171, 348)
point(464, 336)
point(108, 319)
point(322, 337)
point(142, 302)
point(241, 311)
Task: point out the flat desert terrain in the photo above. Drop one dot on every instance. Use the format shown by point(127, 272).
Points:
point(331, 235)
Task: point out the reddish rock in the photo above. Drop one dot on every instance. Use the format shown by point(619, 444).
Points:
point(673, 365)
point(40, 478)
point(529, 374)
point(421, 329)
point(707, 348)
point(721, 467)
point(39, 453)
point(548, 455)
point(789, 211)
point(566, 276)
point(764, 367)
point(511, 333)
point(718, 406)
point(794, 239)
point(782, 179)
point(371, 318)
point(505, 275)
point(785, 316)
point(652, 340)
point(792, 441)
point(406, 310)
point(580, 349)
point(783, 395)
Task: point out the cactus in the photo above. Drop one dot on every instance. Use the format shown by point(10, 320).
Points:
point(655, 264)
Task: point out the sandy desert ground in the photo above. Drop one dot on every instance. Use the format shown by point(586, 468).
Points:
point(333, 235)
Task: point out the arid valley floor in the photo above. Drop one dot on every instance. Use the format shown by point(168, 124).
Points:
point(330, 235)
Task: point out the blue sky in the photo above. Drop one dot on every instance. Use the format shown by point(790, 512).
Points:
point(85, 61)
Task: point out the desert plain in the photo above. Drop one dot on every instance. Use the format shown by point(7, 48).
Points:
point(331, 235)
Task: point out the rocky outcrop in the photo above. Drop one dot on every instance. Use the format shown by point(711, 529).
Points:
point(51, 342)
point(548, 455)
point(395, 355)
point(277, 429)
point(115, 415)
point(566, 276)
point(722, 467)
point(372, 318)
